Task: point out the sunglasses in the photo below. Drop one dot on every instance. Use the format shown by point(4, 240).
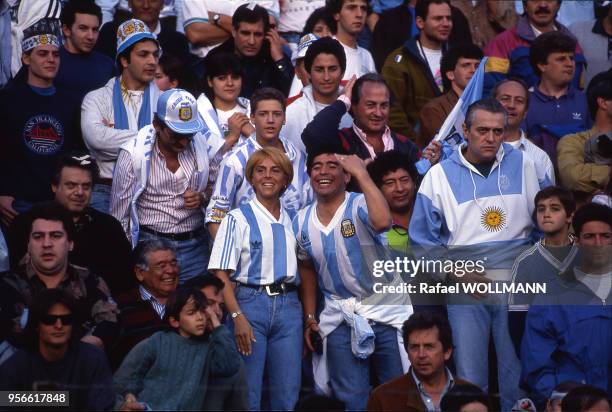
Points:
point(52, 319)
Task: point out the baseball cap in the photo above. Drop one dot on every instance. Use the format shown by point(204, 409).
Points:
point(178, 109)
point(131, 32)
point(302, 48)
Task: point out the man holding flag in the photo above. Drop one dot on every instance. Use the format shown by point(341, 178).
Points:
point(477, 205)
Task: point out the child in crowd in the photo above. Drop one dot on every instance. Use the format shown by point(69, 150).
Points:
point(170, 370)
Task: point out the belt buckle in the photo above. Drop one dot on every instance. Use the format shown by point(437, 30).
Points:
point(270, 292)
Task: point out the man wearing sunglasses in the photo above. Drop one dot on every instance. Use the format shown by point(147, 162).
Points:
point(55, 360)
point(160, 178)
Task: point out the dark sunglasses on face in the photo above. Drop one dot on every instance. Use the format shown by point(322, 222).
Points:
point(52, 319)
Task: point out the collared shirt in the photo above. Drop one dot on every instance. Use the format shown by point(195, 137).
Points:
point(232, 188)
point(161, 205)
point(427, 400)
point(543, 164)
point(386, 139)
point(343, 250)
point(159, 308)
point(255, 246)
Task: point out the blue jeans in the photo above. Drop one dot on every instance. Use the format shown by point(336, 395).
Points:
point(277, 354)
point(100, 198)
point(350, 377)
point(192, 254)
point(472, 324)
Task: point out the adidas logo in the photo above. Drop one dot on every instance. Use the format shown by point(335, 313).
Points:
point(577, 116)
point(256, 245)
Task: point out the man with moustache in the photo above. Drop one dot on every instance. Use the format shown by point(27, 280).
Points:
point(38, 124)
point(413, 70)
point(112, 115)
point(508, 52)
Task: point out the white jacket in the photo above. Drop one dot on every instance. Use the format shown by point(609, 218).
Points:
point(299, 113)
point(104, 141)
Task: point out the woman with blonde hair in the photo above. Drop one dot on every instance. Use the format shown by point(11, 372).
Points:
point(255, 250)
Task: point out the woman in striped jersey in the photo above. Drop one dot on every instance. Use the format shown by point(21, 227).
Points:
point(256, 250)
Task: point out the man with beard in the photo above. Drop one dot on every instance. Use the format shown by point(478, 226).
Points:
point(99, 242)
point(508, 52)
point(568, 332)
point(413, 70)
point(113, 114)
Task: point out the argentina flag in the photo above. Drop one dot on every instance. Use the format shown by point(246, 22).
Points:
point(451, 132)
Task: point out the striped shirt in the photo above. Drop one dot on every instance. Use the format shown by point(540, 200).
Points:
point(256, 247)
point(161, 205)
point(343, 251)
point(159, 308)
point(232, 188)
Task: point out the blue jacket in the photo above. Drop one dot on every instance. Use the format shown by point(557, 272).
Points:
point(568, 336)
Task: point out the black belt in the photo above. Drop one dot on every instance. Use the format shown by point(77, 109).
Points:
point(278, 288)
point(105, 181)
point(174, 236)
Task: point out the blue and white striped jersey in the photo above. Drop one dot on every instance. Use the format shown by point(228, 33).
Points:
point(256, 247)
point(232, 188)
point(343, 251)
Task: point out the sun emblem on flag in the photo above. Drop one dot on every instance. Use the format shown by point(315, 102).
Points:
point(185, 113)
point(493, 219)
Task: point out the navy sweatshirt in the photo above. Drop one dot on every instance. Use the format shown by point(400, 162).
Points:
point(82, 73)
point(35, 130)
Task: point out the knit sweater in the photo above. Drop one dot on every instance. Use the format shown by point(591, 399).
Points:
point(170, 372)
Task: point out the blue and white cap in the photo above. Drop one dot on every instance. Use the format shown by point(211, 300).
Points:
point(131, 32)
point(178, 109)
point(302, 48)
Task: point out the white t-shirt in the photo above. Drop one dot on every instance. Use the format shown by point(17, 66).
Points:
point(433, 58)
point(294, 13)
point(225, 115)
point(359, 61)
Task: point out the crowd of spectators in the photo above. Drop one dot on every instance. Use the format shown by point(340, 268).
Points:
point(196, 196)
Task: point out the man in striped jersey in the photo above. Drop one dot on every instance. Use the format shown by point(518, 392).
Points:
point(337, 236)
point(159, 181)
point(231, 188)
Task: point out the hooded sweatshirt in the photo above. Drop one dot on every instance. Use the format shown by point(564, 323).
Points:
point(459, 212)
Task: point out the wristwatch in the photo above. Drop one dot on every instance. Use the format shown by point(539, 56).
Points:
point(216, 18)
point(234, 315)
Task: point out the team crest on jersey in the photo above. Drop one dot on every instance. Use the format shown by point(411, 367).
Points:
point(493, 219)
point(347, 228)
point(504, 182)
point(217, 215)
point(43, 134)
point(185, 113)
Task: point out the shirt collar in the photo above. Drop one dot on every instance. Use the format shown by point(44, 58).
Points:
point(544, 97)
point(289, 150)
point(31, 273)
point(386, 138)
point(450, 381)
point(148, 297)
